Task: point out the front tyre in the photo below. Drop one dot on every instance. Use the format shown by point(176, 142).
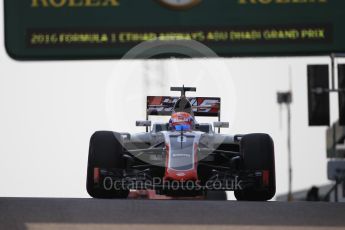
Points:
point(105, 152)
point(257, 151)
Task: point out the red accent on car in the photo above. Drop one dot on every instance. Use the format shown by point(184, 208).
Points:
point(265, 177)
point(186, 175)
point(96, 175)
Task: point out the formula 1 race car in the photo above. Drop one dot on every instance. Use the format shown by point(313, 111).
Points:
point(181, 158)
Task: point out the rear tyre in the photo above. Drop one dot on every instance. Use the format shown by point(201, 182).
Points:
point(257, 151)
point(105, 152)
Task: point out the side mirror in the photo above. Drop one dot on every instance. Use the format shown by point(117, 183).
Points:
point(143, 123)
point(221, 124)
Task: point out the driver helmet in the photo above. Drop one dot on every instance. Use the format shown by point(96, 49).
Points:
point(181, 121)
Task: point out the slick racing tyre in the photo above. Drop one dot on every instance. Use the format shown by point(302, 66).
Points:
point(257, 151)
point(105, 153)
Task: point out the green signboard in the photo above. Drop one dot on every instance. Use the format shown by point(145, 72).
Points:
point(98, 29)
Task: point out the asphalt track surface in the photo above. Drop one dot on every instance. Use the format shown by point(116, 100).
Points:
point(39, 214)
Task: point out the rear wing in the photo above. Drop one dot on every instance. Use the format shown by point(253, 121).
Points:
point(202, 106)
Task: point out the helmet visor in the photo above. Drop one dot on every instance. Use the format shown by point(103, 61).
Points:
point(182, 127)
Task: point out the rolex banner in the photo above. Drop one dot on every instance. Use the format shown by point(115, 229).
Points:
point(99, 29)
